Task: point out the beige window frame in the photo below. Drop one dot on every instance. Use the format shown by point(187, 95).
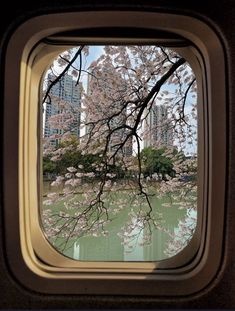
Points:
point(32, 259)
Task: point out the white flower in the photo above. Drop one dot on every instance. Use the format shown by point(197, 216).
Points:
point(73, 182)
point(58, 181)
point(47, 202)
point(68, 175)
point(90, 174)
point(108, 184)
point(110, 175)
point(79, 175)
point(72, 169)
point(52, 195)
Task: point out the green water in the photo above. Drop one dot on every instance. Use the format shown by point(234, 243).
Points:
point(112, 248)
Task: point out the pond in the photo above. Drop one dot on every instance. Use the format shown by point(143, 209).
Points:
point(132, 244)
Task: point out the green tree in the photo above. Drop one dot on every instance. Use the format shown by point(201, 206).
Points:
point(73, 157)
point(154, 161)
point(49, 167)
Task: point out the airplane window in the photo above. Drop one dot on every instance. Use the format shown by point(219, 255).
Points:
point(114, 163)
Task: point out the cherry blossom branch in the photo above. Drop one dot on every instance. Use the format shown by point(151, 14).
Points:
point(57, 79)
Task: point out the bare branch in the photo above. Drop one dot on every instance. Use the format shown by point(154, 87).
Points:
point(62, 73)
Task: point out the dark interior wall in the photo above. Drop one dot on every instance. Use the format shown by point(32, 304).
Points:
point(221, 294)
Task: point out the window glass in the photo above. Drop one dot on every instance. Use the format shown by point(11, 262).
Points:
point(119, 153)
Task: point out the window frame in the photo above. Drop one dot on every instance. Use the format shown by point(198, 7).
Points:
point(26, 61)
point(40, 244)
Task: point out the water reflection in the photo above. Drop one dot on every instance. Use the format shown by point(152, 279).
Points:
point(112, 248)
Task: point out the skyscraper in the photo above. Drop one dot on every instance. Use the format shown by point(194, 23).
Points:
point(158, 128)
point(64, 106)
point(117, 121)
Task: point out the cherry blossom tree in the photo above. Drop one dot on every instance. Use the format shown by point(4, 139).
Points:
point(125, 85)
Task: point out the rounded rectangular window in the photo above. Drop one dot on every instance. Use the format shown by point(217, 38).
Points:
point(117, 158)
point(119, 153)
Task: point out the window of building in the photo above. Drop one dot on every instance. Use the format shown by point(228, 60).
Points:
point(47, 268)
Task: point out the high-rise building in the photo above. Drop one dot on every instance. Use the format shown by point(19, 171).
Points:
point(116, 121)
point(65, 104)
point(158, 128)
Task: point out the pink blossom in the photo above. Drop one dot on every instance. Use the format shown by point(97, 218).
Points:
point(72, 169)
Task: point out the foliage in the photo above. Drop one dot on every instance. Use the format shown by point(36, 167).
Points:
point(126, 85)
point(49, 167)
point(155, 161)
point(73, 157)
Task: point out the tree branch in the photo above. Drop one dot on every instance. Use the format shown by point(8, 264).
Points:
point(63, 72)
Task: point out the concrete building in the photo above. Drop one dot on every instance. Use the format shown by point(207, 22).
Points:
point(67, 91)
point(117, 121)
point(158, 128)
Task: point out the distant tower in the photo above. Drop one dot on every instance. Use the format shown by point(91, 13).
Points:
point(64, 90)
point(158, 128)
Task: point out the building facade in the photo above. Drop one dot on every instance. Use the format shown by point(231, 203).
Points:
point(62, 110)
point(158, 128)
point(118, 121)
